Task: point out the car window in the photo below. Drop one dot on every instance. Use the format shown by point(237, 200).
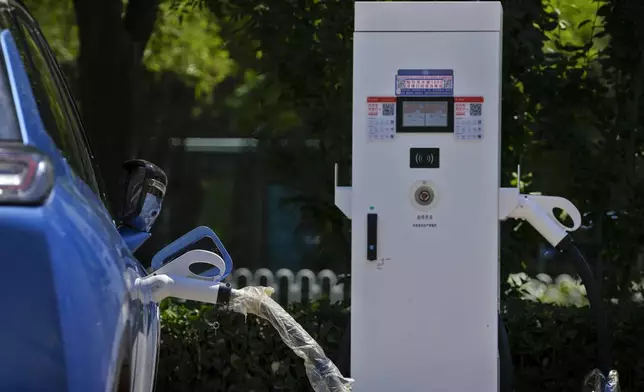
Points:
point(77, 125)
point(9, 127)
point(51, 100)
point(67, 100)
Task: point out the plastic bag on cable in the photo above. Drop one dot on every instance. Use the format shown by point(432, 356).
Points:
point(323, 375)
point(595, 379)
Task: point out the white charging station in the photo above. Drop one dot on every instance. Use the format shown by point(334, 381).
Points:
point(425, 207)
point(424, 201)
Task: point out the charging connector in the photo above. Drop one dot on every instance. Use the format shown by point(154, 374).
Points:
point(538, 212)
point(156, 288)
point(176, 279)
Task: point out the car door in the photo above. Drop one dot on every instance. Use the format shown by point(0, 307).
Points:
point(145, 318)
point(124, 337)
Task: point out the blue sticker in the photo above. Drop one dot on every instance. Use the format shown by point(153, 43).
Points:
point(425, 82)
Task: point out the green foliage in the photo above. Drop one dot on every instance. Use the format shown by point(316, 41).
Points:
point(561, 291)
point(58, 22)
point(241, 354)
point(578, 25)
point(189, 44)
point(553, 347)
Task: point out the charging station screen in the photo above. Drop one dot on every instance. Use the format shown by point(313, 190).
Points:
point(424, 114)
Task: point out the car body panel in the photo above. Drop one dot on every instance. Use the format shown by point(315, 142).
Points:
point(33, 353)
point(73, 316)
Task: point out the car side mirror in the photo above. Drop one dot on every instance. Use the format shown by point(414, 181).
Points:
point(144, 188)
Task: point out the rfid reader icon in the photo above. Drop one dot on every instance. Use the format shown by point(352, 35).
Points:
point(424, 158)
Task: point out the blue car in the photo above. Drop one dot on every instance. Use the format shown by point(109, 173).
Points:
point(69, 321)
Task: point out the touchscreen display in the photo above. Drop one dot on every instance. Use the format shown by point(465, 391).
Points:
point(424, 114)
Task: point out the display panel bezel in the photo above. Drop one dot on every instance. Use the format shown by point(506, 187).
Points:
point(449, 128)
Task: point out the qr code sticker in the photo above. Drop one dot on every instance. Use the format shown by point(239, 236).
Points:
point(476, 109)
point(388, 109)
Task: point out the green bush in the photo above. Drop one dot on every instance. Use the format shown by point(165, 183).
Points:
point(204, 348)
point(564, 290)
point(207, 349)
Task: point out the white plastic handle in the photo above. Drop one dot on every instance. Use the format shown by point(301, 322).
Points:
point(181, 265)
point(549, 203)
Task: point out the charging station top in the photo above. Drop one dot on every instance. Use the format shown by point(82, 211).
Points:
point(465, 16)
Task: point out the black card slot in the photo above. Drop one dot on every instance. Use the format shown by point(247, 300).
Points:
point(372, 237)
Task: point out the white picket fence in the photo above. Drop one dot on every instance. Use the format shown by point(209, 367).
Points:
point(294, 284)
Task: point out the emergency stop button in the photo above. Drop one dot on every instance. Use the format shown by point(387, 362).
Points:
point(424, 195)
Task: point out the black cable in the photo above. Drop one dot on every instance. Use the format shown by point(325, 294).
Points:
point(505, 359)
point(344, 353)
point(595, 300)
